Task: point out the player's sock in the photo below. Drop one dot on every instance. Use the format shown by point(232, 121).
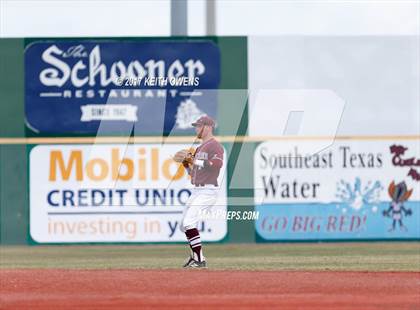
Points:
point(194, 239)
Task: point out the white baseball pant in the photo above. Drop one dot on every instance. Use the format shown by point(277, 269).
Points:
point(200, 201)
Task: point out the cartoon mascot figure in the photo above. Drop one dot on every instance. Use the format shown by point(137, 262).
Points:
point(399, 194)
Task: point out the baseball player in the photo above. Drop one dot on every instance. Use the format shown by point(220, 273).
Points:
point(203, 166)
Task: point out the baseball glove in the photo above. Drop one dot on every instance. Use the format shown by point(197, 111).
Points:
point(184, 156)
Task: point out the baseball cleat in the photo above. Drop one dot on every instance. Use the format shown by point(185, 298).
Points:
point(197, 264)
point(189, 261)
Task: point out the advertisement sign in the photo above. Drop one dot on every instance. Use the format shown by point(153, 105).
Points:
point(113, 193)
point(354, 189)
point(112, 86)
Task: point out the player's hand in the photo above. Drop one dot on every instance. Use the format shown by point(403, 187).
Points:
point(189, 159)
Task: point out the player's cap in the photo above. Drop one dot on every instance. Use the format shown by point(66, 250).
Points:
point(204, 120)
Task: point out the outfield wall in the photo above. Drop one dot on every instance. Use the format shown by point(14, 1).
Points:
point(340, 193)
point(15, 201)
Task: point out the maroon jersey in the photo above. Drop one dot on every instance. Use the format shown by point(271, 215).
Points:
point(208, 160)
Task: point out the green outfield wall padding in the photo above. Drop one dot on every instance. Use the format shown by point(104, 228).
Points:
point(13, 168)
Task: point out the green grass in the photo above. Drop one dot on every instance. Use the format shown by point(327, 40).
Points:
point(326, 256)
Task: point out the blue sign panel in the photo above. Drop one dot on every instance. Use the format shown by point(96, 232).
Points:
point(334, 221)
point(118, 87)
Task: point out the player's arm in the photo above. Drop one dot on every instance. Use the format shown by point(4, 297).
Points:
point(187, 167)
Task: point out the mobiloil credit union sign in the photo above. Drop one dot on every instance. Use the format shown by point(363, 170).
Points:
point(354, 189)
point(112, 193)
point(112, 86)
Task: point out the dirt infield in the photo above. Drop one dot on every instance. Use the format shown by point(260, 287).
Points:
point(72, 289)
